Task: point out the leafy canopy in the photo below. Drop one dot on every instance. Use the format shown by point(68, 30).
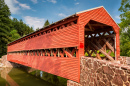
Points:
point(5, 27)
point(125, 28)
point(10, 30)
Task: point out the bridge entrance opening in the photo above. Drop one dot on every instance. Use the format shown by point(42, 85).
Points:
point(99, 41)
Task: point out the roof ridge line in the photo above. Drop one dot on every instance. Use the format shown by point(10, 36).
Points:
point(89, 9)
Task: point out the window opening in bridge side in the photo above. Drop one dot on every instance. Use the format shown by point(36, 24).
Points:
point(60, 52)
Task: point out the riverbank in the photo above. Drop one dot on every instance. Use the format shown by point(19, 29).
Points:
point(1, 64)
point(5, 63)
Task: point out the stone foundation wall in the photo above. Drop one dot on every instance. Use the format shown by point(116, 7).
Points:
point(124, 60)
point(95, 72)
point(7, 63)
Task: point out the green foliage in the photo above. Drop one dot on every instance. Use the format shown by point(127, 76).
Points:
point(101, 55)
point(46, 23)
point(125, 43)
point(125, 16)
point(14, 35)
point(58, 81)
point(21, 27)
point(10, 30)
point(125, 28)
point(5, 27)
point(37, 29)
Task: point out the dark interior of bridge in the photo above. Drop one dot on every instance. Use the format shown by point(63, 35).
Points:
point(99, 41)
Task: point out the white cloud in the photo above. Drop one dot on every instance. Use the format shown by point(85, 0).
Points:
point(34, 1)
point(16, 1)
point(53, 1)
point(34, 22)
point(61, 15)
point(77, 3)
point(117, 17)
point(14, 6)
point(11, 4)
point(25, 6)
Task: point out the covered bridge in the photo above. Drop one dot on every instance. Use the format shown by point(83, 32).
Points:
point(57, 48)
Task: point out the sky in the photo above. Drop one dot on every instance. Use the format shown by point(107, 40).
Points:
point(35, 12)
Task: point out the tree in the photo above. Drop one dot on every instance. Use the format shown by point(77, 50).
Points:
point(37, 29)
point(21, 27)
point(125, 16)
point(10, 29)
point(5, 27)
point(46, 23)
point(14, 35)
point(125, 27)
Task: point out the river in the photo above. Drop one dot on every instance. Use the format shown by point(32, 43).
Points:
point(29, 77)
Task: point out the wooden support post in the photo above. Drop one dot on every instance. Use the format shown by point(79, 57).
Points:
point(28, 53)
point(58, 53)
point(108, 45)
point(66, 54)
point(61, 54)
point(115, 46)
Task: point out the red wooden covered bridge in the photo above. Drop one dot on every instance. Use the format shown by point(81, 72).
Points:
point(57, 48)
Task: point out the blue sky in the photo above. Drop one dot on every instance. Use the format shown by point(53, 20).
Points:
point(36, 12)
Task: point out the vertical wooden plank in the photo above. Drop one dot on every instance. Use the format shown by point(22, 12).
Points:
point(117, 46)
point(58, 53)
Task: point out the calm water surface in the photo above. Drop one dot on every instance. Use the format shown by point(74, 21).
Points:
point(20, 77)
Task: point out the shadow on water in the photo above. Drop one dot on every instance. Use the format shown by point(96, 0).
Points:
point(56, 80)
point(26, 77)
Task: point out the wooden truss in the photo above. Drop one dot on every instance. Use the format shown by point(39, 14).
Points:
point(59, 52)
point(97, 43)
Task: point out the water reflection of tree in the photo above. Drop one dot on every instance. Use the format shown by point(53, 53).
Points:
point(58, 81)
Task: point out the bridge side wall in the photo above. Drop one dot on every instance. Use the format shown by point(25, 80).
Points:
point(95, 72)
point(63, 67)
point(50, 50)
point(65, 37)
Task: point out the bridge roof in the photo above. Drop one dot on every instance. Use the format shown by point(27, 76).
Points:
point(71, 16)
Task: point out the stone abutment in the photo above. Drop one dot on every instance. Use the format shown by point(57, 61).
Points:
point(95, 72)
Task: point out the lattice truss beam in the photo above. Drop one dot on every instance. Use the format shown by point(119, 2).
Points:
point(100, 44)
point(59, 52)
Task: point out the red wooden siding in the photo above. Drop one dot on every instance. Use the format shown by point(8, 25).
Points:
point(66, 37)
point(64, 67)
point(99, 15)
